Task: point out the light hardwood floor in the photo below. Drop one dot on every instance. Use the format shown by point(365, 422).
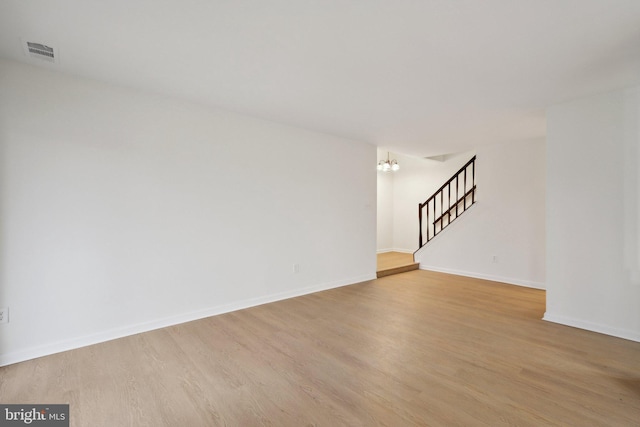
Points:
point(389, 263)
point(418, 348)
point(393, 259)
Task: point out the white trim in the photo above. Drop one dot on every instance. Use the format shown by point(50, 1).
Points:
point(60, 346)
point(593, 327)
point(508, 280)
point(404, 251)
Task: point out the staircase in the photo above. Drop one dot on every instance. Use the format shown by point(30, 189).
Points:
point(447, 203)
point(450, 201)
point(395, 262)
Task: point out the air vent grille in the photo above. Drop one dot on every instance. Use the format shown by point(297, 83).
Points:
point(40, 51)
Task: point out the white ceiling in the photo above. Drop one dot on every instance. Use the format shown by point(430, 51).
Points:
point(420, 77)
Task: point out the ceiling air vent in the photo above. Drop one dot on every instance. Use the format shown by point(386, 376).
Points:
point(40, 51)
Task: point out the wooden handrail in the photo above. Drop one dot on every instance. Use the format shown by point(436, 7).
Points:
point(455, 175)
point(460, 200)
point(453, 207)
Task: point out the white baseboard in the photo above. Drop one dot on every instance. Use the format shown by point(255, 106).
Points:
point(508, 280)
point(593, 327)
point(108, 335)
point(404, 251)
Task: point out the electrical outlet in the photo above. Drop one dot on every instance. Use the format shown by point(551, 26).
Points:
point(296, 268)
point(4, 315)
point(495, 258)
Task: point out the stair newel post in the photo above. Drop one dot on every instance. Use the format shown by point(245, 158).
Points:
point(457, 197)
point(464, 202)
point(449, 206)
point(473, 177)
point(441, 208)
point(420, 221)
point(427, 204)
point(434, 217)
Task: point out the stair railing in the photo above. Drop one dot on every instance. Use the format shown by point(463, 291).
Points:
point(448, 203)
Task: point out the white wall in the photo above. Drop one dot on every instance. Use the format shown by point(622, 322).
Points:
point(507, 221)
point(384, 208)
point(593, 214)
point(123, 211)
point(399, 194)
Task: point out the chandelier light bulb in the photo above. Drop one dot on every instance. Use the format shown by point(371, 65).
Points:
point(388, 165)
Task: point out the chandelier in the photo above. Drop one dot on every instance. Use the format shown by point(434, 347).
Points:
point(388, 165)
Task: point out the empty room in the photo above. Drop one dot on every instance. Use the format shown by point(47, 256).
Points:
point(329, 213)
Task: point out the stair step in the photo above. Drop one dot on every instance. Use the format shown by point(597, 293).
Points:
point(398, 269)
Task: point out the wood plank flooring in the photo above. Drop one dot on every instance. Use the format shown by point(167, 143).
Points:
point(419, 348)
point(394, 263)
